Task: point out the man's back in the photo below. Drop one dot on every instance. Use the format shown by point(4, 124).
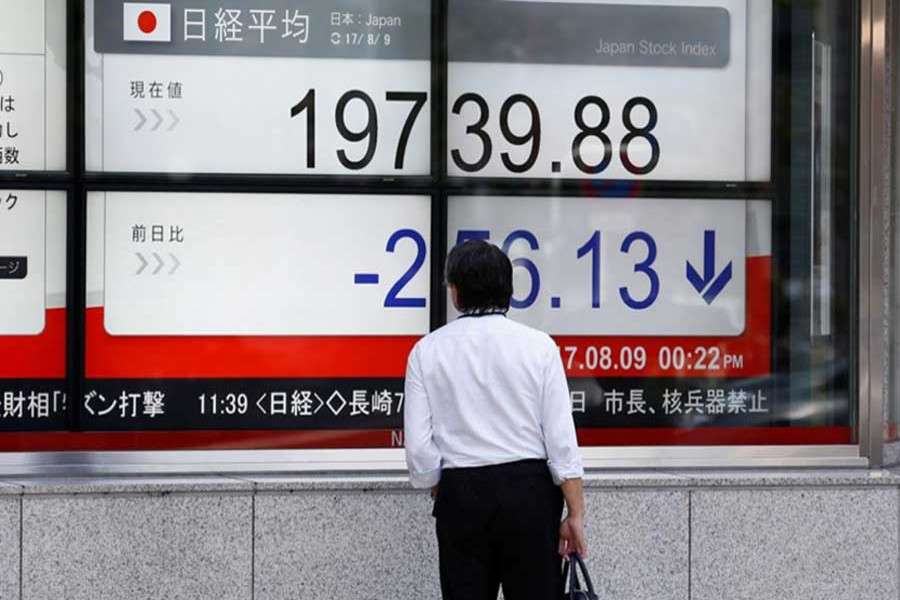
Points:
point(485, 390)
point(483, 376)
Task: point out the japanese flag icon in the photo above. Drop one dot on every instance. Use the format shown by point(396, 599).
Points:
point(146, 22)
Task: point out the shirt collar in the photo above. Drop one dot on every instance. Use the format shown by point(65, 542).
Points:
point(484, 312)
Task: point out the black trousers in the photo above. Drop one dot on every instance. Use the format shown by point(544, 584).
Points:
point(499, 525)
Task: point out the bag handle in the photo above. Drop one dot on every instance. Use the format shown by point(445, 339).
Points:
point(578, 563)
point(570, 579)
point(587, 576)
point(570, 582)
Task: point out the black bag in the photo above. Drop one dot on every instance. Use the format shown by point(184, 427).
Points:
point(572, 587)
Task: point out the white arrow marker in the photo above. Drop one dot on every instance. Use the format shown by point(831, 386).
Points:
point(144, 263)
point(177, 263)
point(142, 118)
point(161, 263)
point(159, 120)
point(259, 404)
point(175, 121)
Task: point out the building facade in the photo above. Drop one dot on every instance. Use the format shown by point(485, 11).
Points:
point(223, 227)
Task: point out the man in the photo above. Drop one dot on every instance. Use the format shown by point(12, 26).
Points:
point(489, 428)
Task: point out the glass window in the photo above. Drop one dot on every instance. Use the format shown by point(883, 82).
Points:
point(33, 311)
point(316, 88)
point(272, 190)
point(661, 308)
point(669, 91)
point(703, 310)
point(247, 312)
point(33, 97)
point(35, 314)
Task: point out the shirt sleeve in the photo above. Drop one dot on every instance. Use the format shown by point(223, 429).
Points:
point(422, 455)
point(558, 425)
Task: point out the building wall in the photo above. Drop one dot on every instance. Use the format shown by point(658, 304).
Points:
point(652, 536)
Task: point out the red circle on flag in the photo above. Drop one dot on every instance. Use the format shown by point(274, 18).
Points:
point(147, 21)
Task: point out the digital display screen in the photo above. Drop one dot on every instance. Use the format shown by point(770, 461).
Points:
point(33, 85)
point(646, 267)
point(661, 307)
point(322, 88)
point(282, 317)
point(253, 311)
point(661, 90)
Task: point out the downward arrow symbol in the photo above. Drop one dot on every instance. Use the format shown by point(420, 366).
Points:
point(709, 285)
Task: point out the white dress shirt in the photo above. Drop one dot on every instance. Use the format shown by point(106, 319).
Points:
point(485, 390)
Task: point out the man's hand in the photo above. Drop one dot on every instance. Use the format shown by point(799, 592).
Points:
point(571, 537)
point(434, 492)
point(571, 532)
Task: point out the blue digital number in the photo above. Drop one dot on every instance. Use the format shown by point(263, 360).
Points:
point(526, 236)
point(592, 247)
point(464, 235)
point(645, 267)
point(393, 299)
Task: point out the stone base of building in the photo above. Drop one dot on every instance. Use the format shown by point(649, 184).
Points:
point(816, 535)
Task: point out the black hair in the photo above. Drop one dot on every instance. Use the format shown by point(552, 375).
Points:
point(482, 276)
